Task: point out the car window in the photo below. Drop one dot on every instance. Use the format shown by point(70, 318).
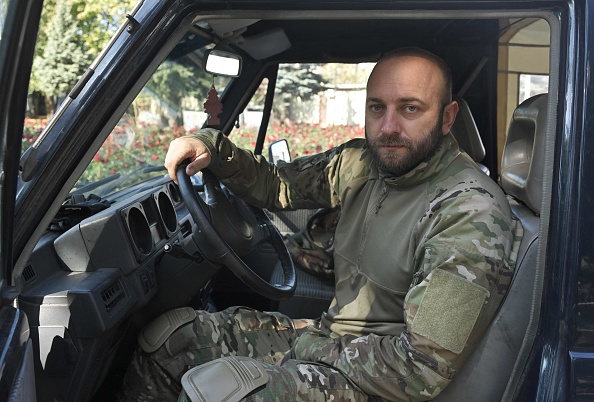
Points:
point(3, 11)
point(523, 58)
point(169, 106)
point(316, 107)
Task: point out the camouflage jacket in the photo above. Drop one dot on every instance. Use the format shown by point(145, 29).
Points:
point(422, 261)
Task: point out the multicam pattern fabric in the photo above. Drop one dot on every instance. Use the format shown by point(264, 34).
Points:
point(266, 337)
point(422, 261)
point(312, 248)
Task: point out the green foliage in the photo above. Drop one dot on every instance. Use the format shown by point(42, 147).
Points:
point(99, 20)
point(175, 81)
point(63, 59)
point(131, 146)
point(296, 83)
point(299, 80)
point(71, 34)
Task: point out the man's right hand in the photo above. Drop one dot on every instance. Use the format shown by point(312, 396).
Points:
point(186, 148)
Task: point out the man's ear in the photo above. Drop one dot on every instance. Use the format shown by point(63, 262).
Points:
point(449, 116)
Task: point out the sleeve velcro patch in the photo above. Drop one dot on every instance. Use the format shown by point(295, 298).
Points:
point(449, 309)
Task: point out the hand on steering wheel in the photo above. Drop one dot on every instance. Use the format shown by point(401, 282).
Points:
point(242, 226)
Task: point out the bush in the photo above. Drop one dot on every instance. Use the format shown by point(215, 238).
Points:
point(131, 146)
point(303, 138)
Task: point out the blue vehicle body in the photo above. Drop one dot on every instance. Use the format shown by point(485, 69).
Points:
point(560, 362)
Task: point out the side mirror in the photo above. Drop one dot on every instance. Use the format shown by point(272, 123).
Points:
point(219, 62)
point(279, 151)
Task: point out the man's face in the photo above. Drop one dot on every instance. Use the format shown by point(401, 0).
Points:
point(399, 155)
point(404, 116)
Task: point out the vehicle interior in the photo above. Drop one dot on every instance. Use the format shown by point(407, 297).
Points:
point(119, 243)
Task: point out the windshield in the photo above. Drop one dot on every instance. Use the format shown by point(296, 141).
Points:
point(170, 105)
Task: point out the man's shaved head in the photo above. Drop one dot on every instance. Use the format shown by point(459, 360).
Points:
point(438, 61)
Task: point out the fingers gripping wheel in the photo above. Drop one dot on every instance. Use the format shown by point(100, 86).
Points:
point(252, 232)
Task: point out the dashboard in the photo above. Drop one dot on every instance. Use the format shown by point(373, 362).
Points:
point(93, 282)
point(90, 277)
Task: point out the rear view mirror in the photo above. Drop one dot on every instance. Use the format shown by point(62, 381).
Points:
point(219, 62)
point(279, 151)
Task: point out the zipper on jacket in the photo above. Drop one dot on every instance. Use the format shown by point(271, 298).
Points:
point(371, 211)
point(381, 198)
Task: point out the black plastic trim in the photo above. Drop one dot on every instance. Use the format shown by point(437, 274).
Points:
point(14, 333)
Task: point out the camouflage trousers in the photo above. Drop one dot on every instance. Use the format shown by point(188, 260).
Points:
point(237, 331)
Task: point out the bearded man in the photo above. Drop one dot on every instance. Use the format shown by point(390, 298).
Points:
point(424, 253)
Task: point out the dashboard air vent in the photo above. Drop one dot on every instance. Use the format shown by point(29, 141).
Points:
point(186, 229)
point(29, 273)
point(112, 296)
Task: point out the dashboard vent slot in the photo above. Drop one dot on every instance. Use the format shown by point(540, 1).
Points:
point(112, 296)
point(186, 229)
point(29, 273)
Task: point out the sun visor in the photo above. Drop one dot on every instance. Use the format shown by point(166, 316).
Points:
point(265, 44)
point(226, 28)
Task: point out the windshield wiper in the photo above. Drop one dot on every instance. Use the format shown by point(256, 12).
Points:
point(116, 179)
point(152, 168)
point(93, 185)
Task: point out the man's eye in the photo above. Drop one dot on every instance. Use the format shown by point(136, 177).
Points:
point(411, 108)
point(376, 108)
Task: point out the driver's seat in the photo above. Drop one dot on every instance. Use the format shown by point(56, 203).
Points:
point(486, 374)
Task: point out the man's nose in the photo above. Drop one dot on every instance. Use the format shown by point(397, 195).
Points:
point(391, 123)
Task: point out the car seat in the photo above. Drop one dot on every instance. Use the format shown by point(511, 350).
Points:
point(486, 374)
point(466, 133)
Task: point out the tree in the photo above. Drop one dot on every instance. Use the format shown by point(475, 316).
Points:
point(71, 34)
point(296, 83)
point(173, 81)
point(99, 20)
point(63, 59)
point(299, 80)
point(342, 73)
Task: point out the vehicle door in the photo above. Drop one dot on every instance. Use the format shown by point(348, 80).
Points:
point(18, 31)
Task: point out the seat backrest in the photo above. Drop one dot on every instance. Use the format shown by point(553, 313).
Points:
point(485, 375)
point(466, 133)
point(523, 156)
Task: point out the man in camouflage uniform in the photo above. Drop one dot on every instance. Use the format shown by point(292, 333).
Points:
point(424, 253)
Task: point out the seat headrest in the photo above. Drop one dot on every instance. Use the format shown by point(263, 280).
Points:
point(466, 133)
point(522, 163)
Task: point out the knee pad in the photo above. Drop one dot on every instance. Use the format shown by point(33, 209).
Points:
point(228, 379)
point(154, 335)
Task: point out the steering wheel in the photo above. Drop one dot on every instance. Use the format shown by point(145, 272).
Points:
point(231, 227)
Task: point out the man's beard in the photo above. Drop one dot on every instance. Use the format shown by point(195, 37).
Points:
point(397, 166)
